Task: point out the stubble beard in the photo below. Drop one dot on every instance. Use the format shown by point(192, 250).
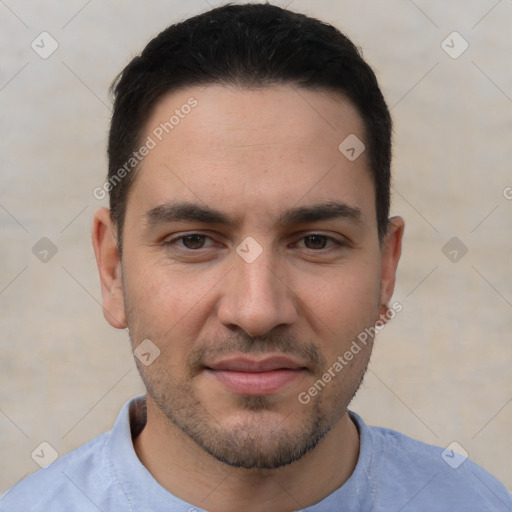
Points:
point(256, 440)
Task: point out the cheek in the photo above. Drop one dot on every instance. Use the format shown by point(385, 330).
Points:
point(165, 303)
point(341, 303)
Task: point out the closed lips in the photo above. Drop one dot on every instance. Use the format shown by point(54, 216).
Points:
point(256, 377)
point(256, 366)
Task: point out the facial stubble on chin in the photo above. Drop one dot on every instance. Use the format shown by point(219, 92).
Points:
point(255, 441)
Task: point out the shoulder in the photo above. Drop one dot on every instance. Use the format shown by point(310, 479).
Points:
point(421, 476)
point(77, 479)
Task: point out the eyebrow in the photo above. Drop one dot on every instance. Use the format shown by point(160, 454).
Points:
point(175, 212)
point(324, 211)
point(184, 211)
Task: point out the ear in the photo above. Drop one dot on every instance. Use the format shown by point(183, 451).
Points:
point(390, 255)
point(104, 240)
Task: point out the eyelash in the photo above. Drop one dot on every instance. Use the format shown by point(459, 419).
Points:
point(327, 238)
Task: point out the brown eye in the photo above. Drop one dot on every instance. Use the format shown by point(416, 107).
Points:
point(193, 241)
point(315, 241)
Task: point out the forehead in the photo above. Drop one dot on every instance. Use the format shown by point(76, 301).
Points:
point(257, 147)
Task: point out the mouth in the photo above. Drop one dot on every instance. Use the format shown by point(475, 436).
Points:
point(256, 376)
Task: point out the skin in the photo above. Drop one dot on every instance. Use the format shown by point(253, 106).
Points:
point(253, 155)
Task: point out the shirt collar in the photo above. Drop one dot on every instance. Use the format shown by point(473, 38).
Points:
point(145, 493)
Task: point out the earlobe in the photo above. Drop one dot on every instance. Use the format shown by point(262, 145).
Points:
point(390, 255)
point(109, 267)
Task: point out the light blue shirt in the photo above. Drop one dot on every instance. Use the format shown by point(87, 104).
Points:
point(393, 473)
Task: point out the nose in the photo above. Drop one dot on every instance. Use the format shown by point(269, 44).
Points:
point(257, 297)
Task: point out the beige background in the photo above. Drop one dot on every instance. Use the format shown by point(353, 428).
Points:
point(441, 369)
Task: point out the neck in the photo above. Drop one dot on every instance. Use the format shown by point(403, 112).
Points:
point(187, 471)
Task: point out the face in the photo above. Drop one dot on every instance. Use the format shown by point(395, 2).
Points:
point(251, 259)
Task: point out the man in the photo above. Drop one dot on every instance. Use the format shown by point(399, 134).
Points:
point(248, 250)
